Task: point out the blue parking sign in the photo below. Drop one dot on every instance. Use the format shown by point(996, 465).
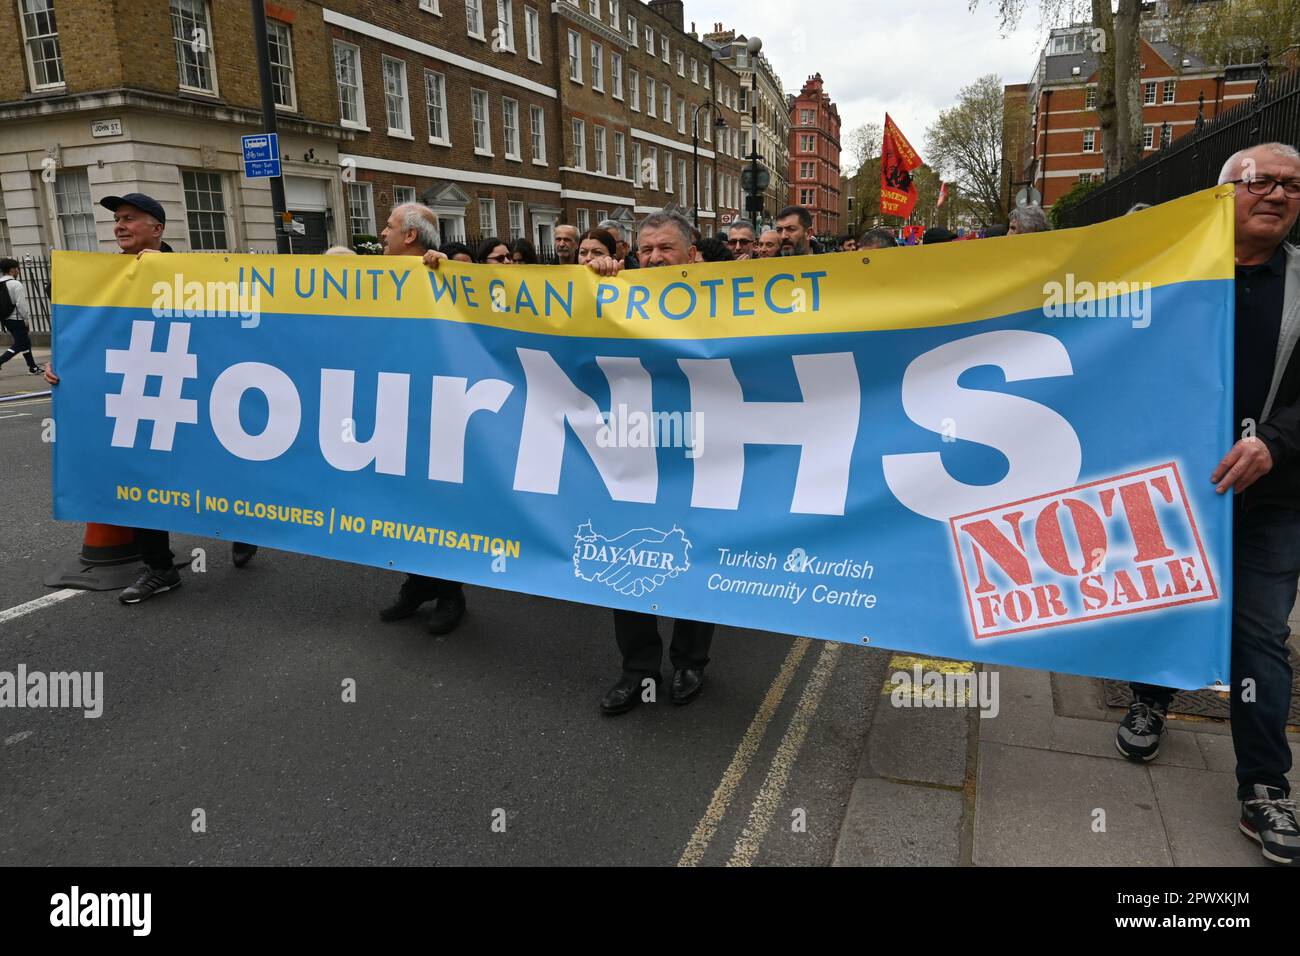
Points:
point(261, 155)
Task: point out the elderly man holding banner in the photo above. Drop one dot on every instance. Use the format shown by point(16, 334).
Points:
point(1263, 471)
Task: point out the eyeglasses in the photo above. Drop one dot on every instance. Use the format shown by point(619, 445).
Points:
point(1263, 186)
point(739, 242)
point(500, 259)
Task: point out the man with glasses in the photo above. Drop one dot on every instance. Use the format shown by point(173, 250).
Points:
point(740, 239)
point(1263, 470)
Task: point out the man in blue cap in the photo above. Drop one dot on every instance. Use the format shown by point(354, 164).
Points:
point(138, 224)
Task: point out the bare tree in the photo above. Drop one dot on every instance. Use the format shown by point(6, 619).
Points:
point(965, 145)
point(864, 146)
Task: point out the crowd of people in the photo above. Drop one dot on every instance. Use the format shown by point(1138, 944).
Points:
point(1266, 564)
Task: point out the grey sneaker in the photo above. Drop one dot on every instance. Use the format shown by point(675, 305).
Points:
point(1269, 819)
point(1138, 735)
point(148, 584)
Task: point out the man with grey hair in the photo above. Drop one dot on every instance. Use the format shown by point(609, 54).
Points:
point(664, 239)
point(1028, 219)
point(1266, 524)
point(621, 249)
point(740, 239)
point(566, 244)
point(412, 230)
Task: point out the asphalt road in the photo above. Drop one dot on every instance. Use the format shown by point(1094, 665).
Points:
point(226, 697)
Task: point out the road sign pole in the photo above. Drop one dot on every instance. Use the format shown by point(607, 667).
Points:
point(262, 46)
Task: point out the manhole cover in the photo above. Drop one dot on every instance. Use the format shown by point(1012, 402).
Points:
point(1203, 703)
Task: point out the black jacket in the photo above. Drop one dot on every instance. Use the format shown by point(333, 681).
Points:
point(1279, 428)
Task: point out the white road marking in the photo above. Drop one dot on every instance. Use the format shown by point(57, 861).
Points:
point(726, 790)
point(17, 415)
point(40, 602)
point(778, 774)
point(18, 737)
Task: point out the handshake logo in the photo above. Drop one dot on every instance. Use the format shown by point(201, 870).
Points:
point(634, 563)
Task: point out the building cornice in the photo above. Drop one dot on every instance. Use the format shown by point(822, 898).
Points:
point(218, 111)
point(584, 19)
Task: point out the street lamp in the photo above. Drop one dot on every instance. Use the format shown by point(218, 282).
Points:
point(718, 124)
point(754, 46)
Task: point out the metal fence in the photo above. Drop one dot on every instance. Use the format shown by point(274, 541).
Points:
point(1192, 162)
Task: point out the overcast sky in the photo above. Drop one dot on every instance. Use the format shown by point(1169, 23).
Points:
point(910, 57)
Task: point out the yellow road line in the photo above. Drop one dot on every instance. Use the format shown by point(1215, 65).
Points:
point(726, 790)
point(778, 774)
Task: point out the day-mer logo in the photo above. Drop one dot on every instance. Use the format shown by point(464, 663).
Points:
point(634, 563)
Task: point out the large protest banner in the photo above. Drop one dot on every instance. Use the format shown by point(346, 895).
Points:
point(995, 450)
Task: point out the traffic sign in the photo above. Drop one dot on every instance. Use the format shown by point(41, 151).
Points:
point(261, 155)
point(747, 179)
point(1028, 196)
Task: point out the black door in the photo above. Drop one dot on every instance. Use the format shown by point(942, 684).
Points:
point(315, 241)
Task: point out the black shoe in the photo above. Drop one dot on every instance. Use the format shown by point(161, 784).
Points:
point(38, 370)
point(686, 686)
point(405, 605)
point(623, 696)
point(148, 584)
point(1138, 735)
point(241, 554)
point(447, 614)
point(1269, 819)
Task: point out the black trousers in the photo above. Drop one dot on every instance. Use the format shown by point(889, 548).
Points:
point(22, 342)
point(643, 649)
point(423, 588)
point(1265, 571)
point(155, 548)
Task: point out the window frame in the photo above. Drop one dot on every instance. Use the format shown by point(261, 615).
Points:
point(537, 134)
point(28, 41)
point(83, 216)
point(578, 134)
point(616, 75)
point(506, 26)
point(292, 105)
point(533, 33)
point(514, 155)
point(396, 132)
point(597, 66)
point(223, 213)
point(477, 6)
point(210, 53)
point(445, 119)
point(355, 62)
point(368, 190)
point(575, 56)
point(485, 120)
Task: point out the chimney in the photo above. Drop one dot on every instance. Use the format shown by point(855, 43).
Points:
point(674, 11)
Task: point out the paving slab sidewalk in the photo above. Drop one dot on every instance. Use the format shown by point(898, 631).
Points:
point(1041, 783)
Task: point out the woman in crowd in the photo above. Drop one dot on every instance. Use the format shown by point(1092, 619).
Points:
point(494, 252)
point(523, 253)
point(594, 244)
point(1027, 219)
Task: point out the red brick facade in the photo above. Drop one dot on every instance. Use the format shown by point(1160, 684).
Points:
point(815, 156)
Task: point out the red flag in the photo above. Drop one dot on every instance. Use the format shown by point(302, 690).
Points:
point(943, 194)
point(897, 190)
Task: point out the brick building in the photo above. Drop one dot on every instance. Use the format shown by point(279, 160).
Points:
point(815, 155)
point(1062, 144)
point(115, 98)
point(505, 116)
point(768, 123)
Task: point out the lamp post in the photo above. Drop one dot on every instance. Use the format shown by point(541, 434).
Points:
point(754, 46)
point(718, 123)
